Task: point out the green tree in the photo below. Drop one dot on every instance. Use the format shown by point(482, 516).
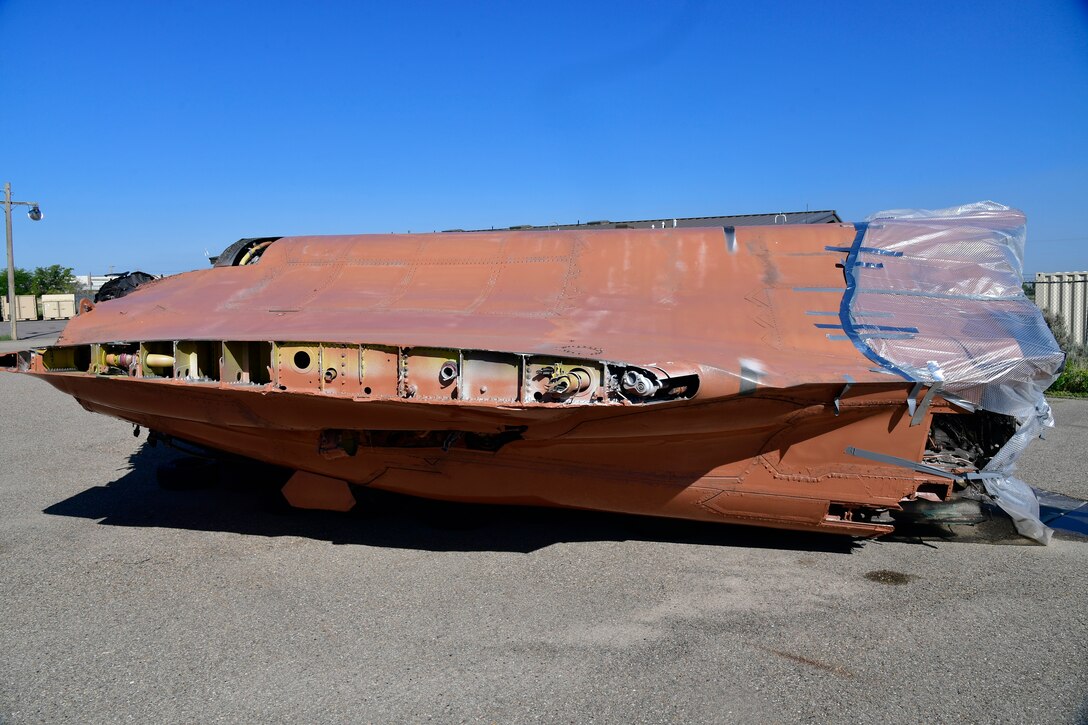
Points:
point(53, 280)
point(1074, 378)
point(1077, 353)
point(24, 282)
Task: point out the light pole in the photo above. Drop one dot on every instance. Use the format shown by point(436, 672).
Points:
point(35, 215)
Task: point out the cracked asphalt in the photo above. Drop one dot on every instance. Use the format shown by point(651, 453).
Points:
point(124, 602)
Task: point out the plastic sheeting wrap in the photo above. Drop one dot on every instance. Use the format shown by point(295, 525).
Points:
point(937, 297)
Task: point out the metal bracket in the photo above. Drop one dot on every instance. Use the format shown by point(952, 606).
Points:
point(922, 467)
point(902, 462)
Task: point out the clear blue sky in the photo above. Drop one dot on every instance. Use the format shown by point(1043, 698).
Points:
point(151, 132)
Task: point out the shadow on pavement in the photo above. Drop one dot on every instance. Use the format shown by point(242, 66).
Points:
point(32, 333)
point(247, 501)
point(1067, 516)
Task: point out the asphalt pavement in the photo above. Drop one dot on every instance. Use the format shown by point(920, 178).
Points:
point(31, 333)
point(124, 602)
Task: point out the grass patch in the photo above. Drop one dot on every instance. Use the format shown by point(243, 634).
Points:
point(5, 338)
point(1073, 382)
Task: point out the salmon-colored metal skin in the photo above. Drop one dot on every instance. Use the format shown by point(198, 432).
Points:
point(633, 295)
point(762, 442)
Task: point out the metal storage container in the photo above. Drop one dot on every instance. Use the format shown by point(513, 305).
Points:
point(58, 307)
point(25, 305)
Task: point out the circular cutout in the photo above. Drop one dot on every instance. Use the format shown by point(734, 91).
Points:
point(302, 359)
point(366, 390)
point(448, 372)
point(538, 396)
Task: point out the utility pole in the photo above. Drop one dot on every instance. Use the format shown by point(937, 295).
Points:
point(35, 215)
point(11, 262)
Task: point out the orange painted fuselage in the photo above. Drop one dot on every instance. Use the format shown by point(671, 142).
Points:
point(687, 373)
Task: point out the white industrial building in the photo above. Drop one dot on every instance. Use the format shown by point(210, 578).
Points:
point(92, 282)
point(1065, 294)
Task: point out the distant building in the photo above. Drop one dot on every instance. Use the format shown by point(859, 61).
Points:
point(827, 216)
point(92, 282)
point(1065, 294)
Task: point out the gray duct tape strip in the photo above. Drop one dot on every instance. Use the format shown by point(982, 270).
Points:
point(731, 239)
point(912, 399)
point(849, 382)
point(872, 336)
point(750, 375)
point(920, 413)
point(961, 403)
point(857, 313)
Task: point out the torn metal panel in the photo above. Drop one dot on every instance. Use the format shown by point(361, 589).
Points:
point(696, 373)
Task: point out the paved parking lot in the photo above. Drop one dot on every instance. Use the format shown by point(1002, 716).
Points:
point(120, 601)
point(31, 332)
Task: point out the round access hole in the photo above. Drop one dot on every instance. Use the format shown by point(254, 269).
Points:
point(302, 359)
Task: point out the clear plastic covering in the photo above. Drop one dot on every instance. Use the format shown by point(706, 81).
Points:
point(937, 297)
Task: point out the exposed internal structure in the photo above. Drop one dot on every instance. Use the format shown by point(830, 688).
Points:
point(967, 442)
point(377, 371)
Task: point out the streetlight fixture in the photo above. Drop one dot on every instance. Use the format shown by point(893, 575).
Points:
point(35, 214)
